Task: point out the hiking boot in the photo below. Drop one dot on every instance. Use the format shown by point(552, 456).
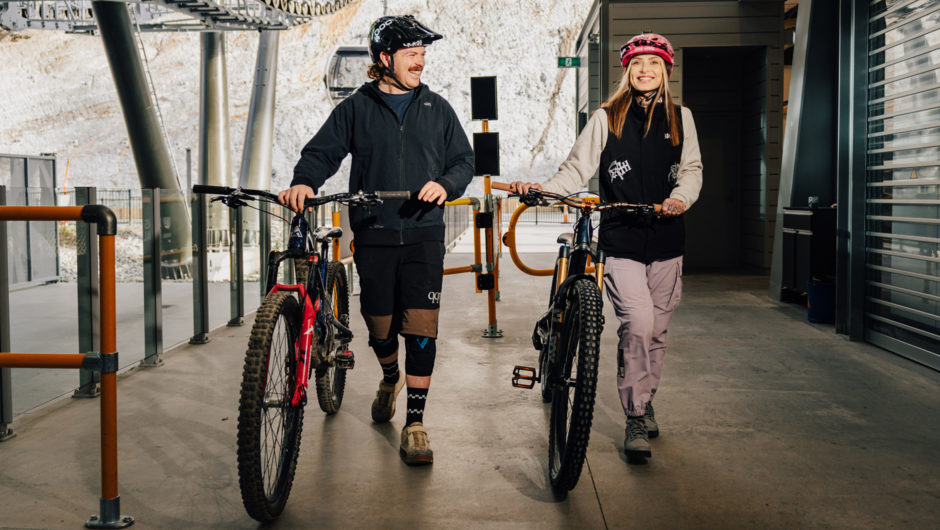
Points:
point(415, 446)
point(637, 442)
point(649, 418)
point(383, 408)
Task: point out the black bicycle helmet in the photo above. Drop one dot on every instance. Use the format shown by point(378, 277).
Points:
point(390, 34)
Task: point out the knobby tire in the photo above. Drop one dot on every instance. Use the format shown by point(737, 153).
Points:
point(269, 428)
point(330, 380)
point(573, 407)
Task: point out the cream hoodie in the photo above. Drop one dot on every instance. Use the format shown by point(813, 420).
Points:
point(585, 157)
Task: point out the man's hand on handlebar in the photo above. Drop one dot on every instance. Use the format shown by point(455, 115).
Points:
point(521, 188)
point(294, 197)
point(433, 192)
point(673, 208)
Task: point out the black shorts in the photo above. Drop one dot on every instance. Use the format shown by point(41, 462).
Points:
point(400, 288)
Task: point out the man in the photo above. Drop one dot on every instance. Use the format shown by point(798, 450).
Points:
point(402, 137)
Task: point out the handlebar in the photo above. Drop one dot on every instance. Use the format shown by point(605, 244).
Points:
point(393, 195)
point(655, 209)
point(233, 196)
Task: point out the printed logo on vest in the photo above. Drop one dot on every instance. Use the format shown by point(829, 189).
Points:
point(667, 136)
point(674, 175)
point(618, 169)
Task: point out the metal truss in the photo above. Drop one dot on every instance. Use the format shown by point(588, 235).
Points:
point(76, 16)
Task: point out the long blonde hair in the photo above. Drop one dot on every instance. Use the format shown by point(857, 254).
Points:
point(619, 104)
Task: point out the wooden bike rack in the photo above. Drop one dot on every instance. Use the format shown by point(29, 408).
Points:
point(105, 362)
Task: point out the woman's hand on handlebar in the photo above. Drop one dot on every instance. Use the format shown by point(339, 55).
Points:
point(673, 208)
point(294, 197)
point(523, 187)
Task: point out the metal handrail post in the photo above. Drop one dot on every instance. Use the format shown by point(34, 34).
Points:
point(153, 283)
point(200, 217)
point(237, 261)
point(89, 338)
point(264, 246)
point(6, 386)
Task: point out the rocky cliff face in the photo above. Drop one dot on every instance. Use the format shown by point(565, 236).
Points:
point(59, 96)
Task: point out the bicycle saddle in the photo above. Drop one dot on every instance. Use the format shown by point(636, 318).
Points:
point(566, 239)
point(325, 232)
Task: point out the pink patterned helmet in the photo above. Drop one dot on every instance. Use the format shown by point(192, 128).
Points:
point(648, 43)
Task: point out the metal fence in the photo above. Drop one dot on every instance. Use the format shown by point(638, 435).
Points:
point(125, 203)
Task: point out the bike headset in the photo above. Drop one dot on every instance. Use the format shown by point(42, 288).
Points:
point(390, 34)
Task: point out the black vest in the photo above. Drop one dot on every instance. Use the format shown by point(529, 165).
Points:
point(641, 170)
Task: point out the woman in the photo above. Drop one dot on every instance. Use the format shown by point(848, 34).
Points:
point(647, 151)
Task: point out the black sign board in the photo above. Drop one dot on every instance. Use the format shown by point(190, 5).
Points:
point(486, 153)
point(483, 98)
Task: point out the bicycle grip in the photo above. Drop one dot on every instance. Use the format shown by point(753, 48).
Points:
point(216, 190)
point(502, 187)
point(393, 195)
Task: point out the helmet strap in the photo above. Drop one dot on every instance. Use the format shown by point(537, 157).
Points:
point(390, 73)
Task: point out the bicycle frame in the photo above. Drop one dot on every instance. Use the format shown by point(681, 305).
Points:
point(314, 314)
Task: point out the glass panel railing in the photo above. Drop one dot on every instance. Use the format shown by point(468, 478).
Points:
point(176, 266)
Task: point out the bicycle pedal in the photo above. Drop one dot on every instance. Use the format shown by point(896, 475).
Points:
point(346, 360)
point(524, 377)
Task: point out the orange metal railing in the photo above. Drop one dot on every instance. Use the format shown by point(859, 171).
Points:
point(105, 362)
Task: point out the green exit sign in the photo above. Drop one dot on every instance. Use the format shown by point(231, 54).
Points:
point(569, 62)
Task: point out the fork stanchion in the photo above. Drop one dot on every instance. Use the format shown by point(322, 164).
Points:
point(105, 362)
point(336, 222)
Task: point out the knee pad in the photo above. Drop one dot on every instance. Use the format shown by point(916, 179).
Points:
point(384, 347)
point(419, 355)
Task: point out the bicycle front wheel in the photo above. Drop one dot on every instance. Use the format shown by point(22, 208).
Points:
point(331, 381)
point(574, 377)
point(269, 427)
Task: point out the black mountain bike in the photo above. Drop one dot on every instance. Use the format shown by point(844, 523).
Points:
point(300, 330)
point(568, 337)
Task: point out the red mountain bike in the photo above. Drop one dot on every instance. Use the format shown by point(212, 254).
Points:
point(300, 330)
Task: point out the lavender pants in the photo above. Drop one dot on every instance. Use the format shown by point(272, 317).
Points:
point(644, 297)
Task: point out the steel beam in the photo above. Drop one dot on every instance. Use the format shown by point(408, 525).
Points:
point(237, 267)
point(215, 167)
point(151, 153)
point(808, 165)
point(851, 187)
point(259, 134)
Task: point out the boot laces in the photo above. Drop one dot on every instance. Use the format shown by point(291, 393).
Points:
point(636, 429)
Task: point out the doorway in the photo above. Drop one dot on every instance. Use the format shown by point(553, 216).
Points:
point(725, 88)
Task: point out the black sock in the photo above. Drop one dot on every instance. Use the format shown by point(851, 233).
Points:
point(417, 397)
point(390, 372)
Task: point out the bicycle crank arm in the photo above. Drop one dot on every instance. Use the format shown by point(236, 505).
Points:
point(524, 377)
point(346, 335)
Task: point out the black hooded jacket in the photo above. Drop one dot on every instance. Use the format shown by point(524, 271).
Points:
point(429, 145)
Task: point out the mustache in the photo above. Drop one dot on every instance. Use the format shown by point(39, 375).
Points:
point(415, 69)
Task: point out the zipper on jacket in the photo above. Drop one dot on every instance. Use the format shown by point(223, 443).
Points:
point(401, 173)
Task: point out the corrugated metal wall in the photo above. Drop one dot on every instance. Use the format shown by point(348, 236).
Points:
point(903, 210)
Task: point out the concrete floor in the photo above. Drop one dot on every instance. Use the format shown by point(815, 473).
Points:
point(767, 422)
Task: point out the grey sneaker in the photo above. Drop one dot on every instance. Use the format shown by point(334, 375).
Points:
point(637, 442)
point(383, 408)
point(415, 445)
point(649, 418)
